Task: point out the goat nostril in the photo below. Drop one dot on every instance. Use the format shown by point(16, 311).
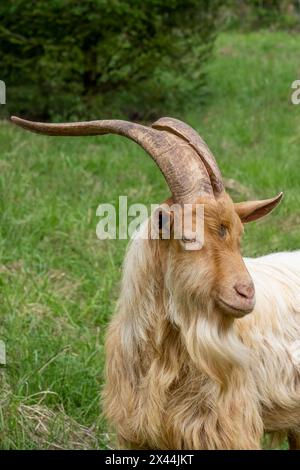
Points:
point(245, 290)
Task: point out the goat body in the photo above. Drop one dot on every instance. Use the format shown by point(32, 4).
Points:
point(183, 378)
point(194, 360)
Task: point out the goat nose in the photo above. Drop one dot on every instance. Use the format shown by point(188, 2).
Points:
point(245, 290)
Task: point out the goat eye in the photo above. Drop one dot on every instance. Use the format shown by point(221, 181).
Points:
point(223, 231)
point(188, 240)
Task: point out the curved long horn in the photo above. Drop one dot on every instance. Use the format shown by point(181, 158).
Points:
point(185, 175)
point(189, 135)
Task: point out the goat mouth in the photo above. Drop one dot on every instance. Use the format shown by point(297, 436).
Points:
point(233, 310)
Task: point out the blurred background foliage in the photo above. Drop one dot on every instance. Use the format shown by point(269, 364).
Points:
point(77, 59)
point(249, 15)
point(74, 58)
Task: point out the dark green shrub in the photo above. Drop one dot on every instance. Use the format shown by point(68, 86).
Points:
point(96, 58)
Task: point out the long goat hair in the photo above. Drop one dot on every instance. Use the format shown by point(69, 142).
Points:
point(179, 377)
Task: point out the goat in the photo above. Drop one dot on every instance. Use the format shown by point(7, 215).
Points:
point(200, 351)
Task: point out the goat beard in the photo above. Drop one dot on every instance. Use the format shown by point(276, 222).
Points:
point(208, 336)
point(210, 340)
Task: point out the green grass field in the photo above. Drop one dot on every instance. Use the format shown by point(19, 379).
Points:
point(59, 283)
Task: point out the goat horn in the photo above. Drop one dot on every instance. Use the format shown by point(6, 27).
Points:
point(185, 175)
point(188, 134)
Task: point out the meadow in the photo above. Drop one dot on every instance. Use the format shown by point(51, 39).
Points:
point(59, 283)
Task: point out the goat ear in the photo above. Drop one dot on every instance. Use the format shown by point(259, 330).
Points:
point(162, 222)
point(254, 210)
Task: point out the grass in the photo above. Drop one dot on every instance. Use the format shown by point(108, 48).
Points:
point(59, 283)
